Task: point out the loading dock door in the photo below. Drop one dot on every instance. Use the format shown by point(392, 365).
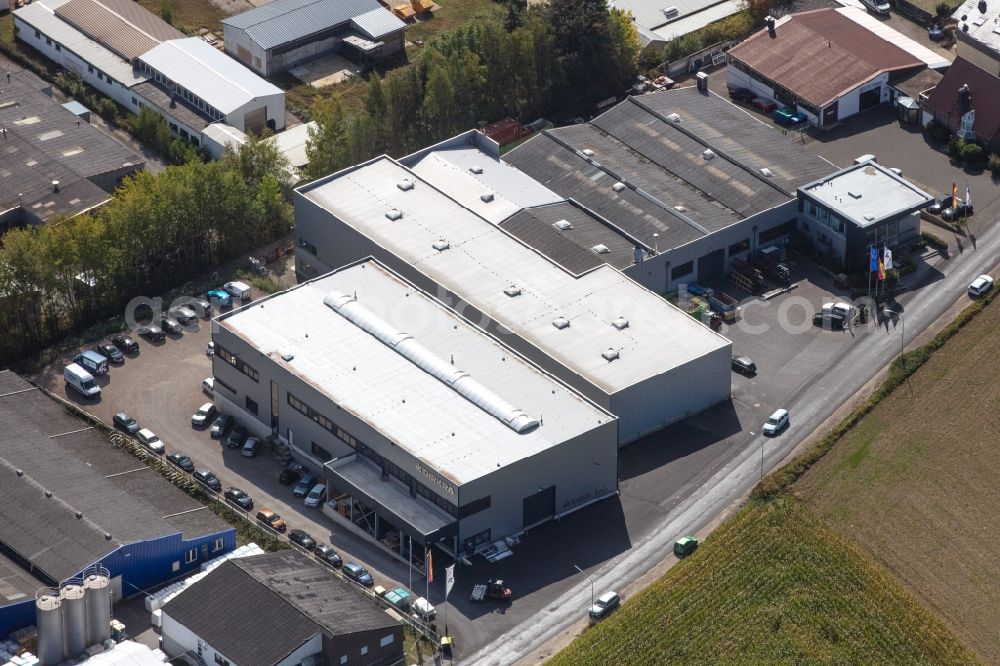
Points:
point(870, 98)
point(539, 507)
point(712, 266)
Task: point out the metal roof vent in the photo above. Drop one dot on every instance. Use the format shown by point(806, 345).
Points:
point(560, 323)
point(600, 248)
point(394, 215)
point(767, 173)
point(680, 209)
point(854, 195)
point(621, 323)
point(674, 118)
point(476, 169)
point(486, 198)
point(588, 152)
point(441, 245)
point(708, 154)
point(562, 225)
point(406, 184)
point(610, 355)
point(618, 187)
point(512, 291)
point(287, 356)
point(870, 217)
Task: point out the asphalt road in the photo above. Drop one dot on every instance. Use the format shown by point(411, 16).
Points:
point(810, 404)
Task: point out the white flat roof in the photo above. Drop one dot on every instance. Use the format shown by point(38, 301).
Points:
point(482, 261)
point(292, 144)
point(40, 14)
point(698, 20)
point(866, 193)
point(893, 36)
point(452, 169)
point(439, 423)
point(208, 73)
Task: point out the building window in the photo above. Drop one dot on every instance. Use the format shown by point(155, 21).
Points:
point(219, 382)
point(343, 658)
point(252, 406)
point(135, 102)
point(218, 545)
point(742, 246)
point(387, 640)
point(38, 35)
point(190, 556)
point(364, 650)
point(303, 408)
point(176, 566)
point(48, 41)
point(307, 246)
point(220, 660)
point(238, 363)
point(58, 46)
point(682, 270)
point(320, 452)
point(475, 506)
point(777, 231)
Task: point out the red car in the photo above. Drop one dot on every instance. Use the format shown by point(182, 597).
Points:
point(764, 105)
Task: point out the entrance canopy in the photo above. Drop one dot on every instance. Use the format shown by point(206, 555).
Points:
point(364, 482)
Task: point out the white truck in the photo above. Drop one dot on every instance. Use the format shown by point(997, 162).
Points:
point(81, 381)
point(238, 289)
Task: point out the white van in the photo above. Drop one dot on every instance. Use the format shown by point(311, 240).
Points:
point(238, 289)
point(81, 381)
point(92, 362)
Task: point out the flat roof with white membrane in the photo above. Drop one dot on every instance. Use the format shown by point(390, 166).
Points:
point(866, 193)
point(515, 285)
point(421, 375)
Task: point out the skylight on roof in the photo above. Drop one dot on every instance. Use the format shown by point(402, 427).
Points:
point(708, 154)
point(766, 172)
point(406, 184)
point(610, 355)
point(621, 323)
point(394, 214)
point(618, 187)
point(512, 291)
point(588, 152)
point(486, 198)
point(476, 169)
point(562, 225)
point(600, 248)
point(560, 323)
point(441, 245)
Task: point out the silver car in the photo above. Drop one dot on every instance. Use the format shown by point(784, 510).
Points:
point(149, 439)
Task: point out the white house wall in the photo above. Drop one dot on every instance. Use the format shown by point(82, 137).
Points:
point(178, 639)
point(275, 111)
point(72, 62)
point(234, 38)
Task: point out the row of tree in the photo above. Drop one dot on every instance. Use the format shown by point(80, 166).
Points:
point(558, 61)
point(159, 231)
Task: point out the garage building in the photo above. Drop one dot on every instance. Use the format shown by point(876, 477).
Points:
point(619, 344)
point(427, 429)
point(282, 34)
point(828, 63)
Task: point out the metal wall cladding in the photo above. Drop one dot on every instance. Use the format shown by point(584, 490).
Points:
point(16, 616)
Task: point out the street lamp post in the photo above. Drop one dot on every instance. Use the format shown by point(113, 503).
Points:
point(591, 585)
point(902, 331)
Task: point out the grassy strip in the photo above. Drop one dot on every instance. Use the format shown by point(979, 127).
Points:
point(901, 369)
point(773, 585)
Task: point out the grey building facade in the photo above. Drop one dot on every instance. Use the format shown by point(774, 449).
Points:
point(443, 437)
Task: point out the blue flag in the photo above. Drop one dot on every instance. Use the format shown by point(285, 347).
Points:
point(874, 261)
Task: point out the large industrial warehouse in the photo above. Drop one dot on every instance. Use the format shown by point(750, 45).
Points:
point(63, 487)
point(621, 345)
point(427, 429)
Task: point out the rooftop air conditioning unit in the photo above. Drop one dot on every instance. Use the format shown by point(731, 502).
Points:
point(670, 12)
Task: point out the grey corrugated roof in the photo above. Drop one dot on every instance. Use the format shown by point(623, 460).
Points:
point(124, 26)
point(377, 23)
point(283, 21)
point(256, 610)
point(570, 248)
point(86, 473)
point(46, 142)
point(154, 94)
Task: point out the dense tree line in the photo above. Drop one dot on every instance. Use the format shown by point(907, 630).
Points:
point(557, 61)
point(157, 232)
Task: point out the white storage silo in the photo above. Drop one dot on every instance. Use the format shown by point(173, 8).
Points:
point(98, 604)
point(48, 619)
point(74, 617)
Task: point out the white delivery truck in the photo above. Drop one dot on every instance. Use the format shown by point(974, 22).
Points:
point(239, 290)
point(81, 381)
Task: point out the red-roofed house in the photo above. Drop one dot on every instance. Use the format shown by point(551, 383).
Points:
point(967, 100)
point(829, 63)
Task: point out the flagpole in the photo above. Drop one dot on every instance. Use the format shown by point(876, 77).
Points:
point(409, 560)
point(427, 578)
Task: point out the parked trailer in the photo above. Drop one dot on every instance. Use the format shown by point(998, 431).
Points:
point(725, 305)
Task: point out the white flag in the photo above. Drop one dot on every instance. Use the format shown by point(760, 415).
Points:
point(887, 258)
point(449, 580)
point(968, 197)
